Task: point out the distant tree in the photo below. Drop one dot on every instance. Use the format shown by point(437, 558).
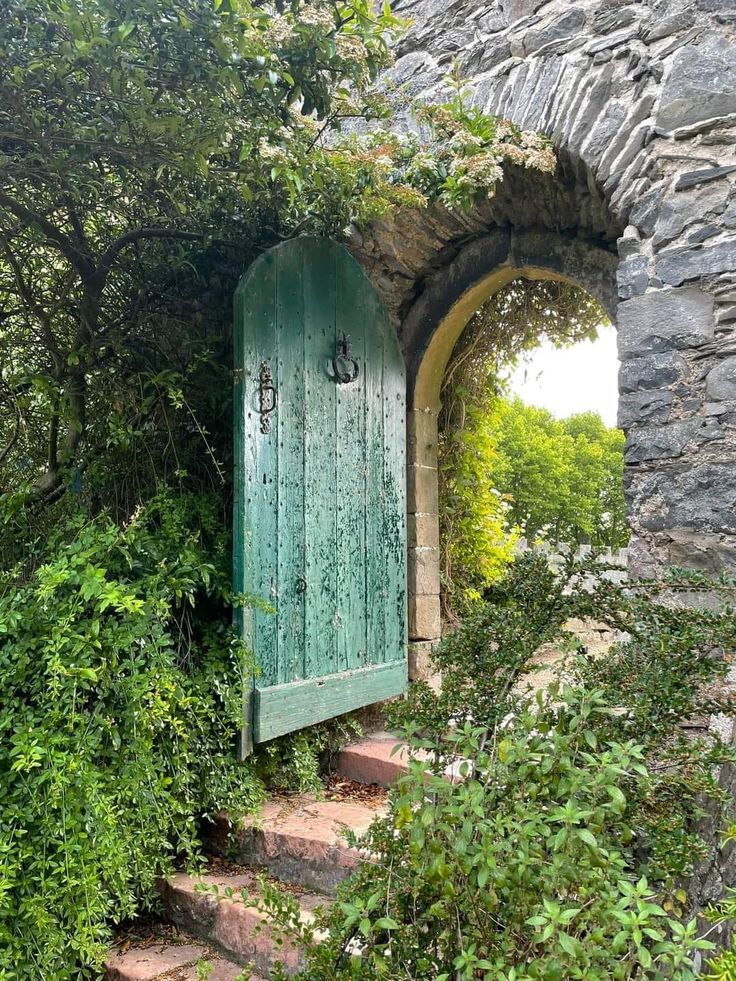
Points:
point(477, 539)
point(563, 480)
point(486, 497)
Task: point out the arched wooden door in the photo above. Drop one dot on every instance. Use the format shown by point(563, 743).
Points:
point(320, 511)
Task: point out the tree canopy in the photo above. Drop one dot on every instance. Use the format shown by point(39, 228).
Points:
point(507, 469)
point(562, 479)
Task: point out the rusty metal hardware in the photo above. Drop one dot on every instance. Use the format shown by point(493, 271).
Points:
point(267, 397)
point(344, 365)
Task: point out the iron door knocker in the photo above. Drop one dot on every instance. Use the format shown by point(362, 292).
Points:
point(344, 365)
point(267, 397)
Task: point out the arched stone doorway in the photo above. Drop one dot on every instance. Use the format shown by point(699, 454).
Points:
point(429, 332)
point(639, 101)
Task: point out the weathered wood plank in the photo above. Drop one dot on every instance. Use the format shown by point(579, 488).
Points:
point(286, 708)
point(375, 578)
point(320, 480)
point(393, 532)
point(255, 519)
point(291, 500)
point(353, 319)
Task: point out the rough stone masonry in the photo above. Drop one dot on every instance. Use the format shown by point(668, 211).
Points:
point(639, 99)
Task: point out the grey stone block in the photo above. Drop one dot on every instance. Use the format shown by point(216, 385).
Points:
point(655, 371)
point(700, 83)
point(694, 177)
point(632, 277)
point(662, 442)
point(665, 26)
point(564, 26)
point(687, 207)
point(700, 497)
point(720, 385)
point(653, 406)
point(677, 266)
point(663, 320)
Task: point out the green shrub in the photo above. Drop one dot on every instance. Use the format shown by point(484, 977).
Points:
point(526, 869)
point(299, 761)
point(481, 661)
point(563, 850)
point(118, 718)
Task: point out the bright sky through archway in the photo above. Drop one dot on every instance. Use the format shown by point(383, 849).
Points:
point(581, 378)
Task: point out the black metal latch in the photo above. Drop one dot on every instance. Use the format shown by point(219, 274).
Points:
point(267, 397)
point(344, 364)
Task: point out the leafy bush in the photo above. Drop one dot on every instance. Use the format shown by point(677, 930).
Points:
point(561, 850)
point(299, 761)
point(118, 719)
point(482, 659)
point(523, 870)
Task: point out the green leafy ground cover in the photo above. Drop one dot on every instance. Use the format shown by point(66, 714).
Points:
point(565, 850)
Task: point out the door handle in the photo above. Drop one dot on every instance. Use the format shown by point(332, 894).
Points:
point(344, 365)
point(301, 584)
point(267, 397)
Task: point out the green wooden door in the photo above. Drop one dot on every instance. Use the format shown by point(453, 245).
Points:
point(320, 510)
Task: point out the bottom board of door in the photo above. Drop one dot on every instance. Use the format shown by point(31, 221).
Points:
point(284, 708)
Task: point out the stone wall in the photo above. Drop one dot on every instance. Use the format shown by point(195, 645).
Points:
point(639, 99)
point(614, 561)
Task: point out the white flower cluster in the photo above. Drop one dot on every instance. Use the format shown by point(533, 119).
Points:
point(505, 129)
point(271, 154)
point(465, 142)
point(312, 16)
point(350, 47)
point(279, 30)
point(424, 167)
point(542, 159)
point(482, 170)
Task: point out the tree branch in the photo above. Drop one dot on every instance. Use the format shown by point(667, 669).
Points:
point(137, 234)
point(13, 439)
point(79, 260)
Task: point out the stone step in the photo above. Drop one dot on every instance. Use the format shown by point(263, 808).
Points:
point(171, 961)
point(300, 840)
point(225, 924)
point(375, 759)
point(382, 759)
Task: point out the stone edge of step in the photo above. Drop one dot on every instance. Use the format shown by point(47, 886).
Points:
point(237, 931)
point(167, 960)
point(300, 841)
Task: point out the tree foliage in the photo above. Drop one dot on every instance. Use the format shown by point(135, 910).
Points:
point(146, 153)
point(139, 143)
point(508, 470)
point(514, 470)
point(563, 479)
point(121, 694)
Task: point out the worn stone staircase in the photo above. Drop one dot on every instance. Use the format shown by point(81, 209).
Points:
point(299, 841)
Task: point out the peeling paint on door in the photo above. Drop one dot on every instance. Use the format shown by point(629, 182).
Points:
point(320, 509)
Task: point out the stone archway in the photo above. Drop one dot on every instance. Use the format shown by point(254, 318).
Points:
point(639, 100)
point(429, 333)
